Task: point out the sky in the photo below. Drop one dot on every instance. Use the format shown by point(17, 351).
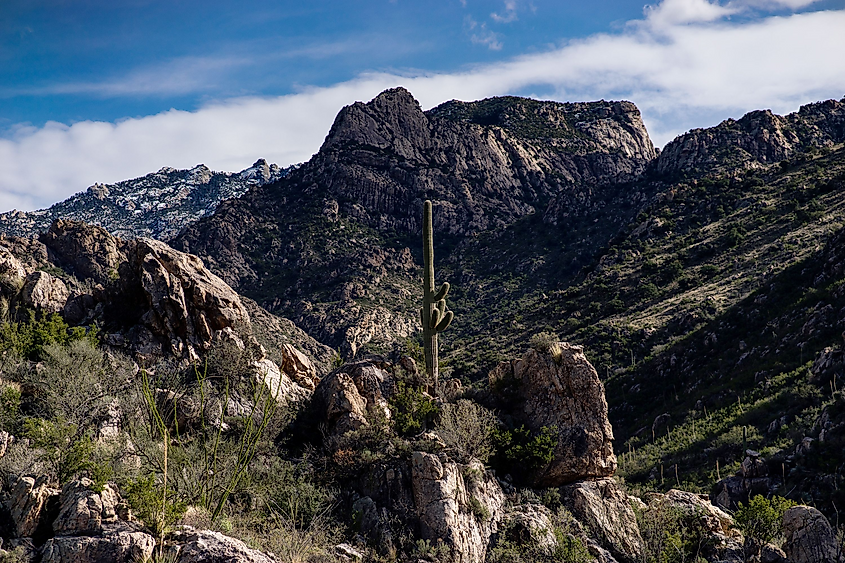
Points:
point(102, 91)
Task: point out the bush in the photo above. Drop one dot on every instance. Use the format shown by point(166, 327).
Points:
point(762, 518)
point(28, 339)
point(671, 535)
point(517, 451)
point(412, 409)
point(146, 497)
point(543, 341)
point(467, 430)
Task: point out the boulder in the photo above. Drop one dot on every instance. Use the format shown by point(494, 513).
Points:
point(809, 536)
point(43, 291)
point(298, 367)
point(12, 272)
point(205, 546)
point(603, 508)
point(117, 544)
point(283, 389)
point(530, 524)
point(352, 393)
point(187, 304)
point(87, 251)
point(458, 504)
point(85, 511)
point(697, 507)
point(559, 388)
point(28, 503)
point(6, 440)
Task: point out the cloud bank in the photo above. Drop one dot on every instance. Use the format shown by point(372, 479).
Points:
point(687, 63)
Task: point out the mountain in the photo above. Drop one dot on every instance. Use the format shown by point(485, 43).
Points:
point(334, 245)
point(692, 277)
point(157, 205)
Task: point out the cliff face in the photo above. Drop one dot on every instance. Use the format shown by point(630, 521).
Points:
point(329, 244)
point(757, 139)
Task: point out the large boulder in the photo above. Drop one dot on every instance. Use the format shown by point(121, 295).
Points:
point(45, 292)
point(460, 505)
point(809, 536)
point(603, 508)
point(559, 388)
point(117, 544)
point(205, 546)
point(85, 511)
point(351, 394)
point(87, 251)
point(28, 503)
point(187, 304)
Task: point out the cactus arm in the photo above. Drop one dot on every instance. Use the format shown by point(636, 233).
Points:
point(442, 292)
point(445, 321)
point(435, 318)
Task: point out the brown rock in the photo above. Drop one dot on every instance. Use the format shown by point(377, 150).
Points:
point(85, 511)
point(12, 272)
point(43, 291)
point(117, 544)
point(85, 250)
point(561, 389)
point(603, 508)
point(461, 512)
point(353, 392)
point(27, 502)
point(809, 536)
point(213, 547)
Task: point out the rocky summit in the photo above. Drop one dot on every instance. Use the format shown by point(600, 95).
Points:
point(645, 361)
point(157, 205)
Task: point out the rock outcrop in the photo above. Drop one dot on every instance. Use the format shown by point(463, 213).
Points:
point(84, 511)
point(759, 138)
point(462, 512)
point(559, 388)
point(348, 396)
point(115, 545)
point(43, 292)
point(603, 508)
point(485, 165)
point(157, 205)
point(205, 546)
point(28, 503)
point(809, 536)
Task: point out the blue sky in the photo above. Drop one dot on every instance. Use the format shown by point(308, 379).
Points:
point(102, 91)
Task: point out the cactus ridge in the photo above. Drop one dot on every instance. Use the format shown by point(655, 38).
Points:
point(434, 315)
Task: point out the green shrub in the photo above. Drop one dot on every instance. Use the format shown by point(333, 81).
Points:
point(762, 518)
point(60, 446)
point(145, 496)
point(481, 512)
point(27, 339)
point(412, 409)
point(517, 451)
point(10, 404)
point(543, 341)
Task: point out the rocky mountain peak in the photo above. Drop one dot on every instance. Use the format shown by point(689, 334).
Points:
point(757, 139)
point(392, 120)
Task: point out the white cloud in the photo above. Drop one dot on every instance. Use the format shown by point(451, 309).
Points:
point(481, 35)
point(509, 15)
point(682, 69)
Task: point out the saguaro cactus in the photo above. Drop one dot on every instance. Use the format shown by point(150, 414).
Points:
point(433, 315)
